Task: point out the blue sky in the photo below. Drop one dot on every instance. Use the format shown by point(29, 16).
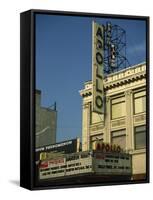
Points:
point(63, 62)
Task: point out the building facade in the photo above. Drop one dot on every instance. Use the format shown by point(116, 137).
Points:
point(46, 122)
point(124, 119)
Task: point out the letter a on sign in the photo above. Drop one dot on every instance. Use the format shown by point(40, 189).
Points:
point(97, 68)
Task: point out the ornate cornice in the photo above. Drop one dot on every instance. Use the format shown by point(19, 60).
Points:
point(117, 79)
point(120, 82)
point(86, 92)
point(126, 76)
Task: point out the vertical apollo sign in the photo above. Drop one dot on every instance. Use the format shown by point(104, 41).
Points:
point(97, 68)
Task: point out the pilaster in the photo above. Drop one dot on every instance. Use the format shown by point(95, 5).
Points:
point(129, 119)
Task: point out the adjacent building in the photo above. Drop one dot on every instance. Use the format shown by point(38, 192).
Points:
point(46, 121)
point(58, 149)
point(124, 119)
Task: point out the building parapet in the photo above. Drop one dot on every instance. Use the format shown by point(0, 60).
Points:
point(125, 76)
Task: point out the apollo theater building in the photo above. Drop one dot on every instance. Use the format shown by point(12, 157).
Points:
point(113, 124)
point(114, 107)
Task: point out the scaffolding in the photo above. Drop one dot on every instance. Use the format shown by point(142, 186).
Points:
point(114, 49)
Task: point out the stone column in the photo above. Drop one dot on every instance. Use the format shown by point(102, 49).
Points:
point(107, 122)
point(85, 127)
point(129, 120)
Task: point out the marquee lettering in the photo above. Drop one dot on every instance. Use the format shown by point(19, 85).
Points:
point(108, 148)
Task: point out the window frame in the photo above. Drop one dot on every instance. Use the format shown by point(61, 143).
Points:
point(122, 101)
point(134, 113)
point(138, 133)
point(119, 136)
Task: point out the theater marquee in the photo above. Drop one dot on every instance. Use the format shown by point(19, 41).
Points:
point(97, 68)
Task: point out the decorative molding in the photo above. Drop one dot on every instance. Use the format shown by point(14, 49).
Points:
point(97, 127)
point(86, 105)
point(120, 122)
point(125, 77)
point(97, 137)
point(123, 82)
point(140, 118)
point(118, 79)
point(128, 92)
point(107, 99)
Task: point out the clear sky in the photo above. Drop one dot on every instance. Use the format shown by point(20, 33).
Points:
point(64, 62)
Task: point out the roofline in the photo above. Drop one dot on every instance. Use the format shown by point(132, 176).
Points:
point(123, 70)
point(130, 67)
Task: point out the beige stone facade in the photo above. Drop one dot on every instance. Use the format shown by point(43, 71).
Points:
point(124, 120)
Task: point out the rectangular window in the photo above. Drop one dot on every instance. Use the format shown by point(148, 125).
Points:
point(119, 138)
point(140, 137)
point(118, 107)
point(140, 102)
